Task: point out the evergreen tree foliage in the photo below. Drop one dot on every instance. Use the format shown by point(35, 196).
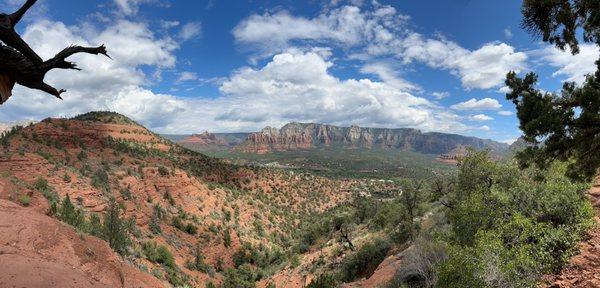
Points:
point(564, 126)
point(115, 228)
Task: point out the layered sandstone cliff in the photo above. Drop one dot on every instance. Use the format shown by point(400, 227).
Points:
point(294, 136)
point(205, 139)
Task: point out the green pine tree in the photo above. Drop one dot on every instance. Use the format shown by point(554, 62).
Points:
point(115, 229)
point(564, 126)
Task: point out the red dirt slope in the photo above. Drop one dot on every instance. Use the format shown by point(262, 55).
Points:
point(39, 251)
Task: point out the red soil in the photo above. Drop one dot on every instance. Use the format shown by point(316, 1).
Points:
point(39, 251)
point(24, 160)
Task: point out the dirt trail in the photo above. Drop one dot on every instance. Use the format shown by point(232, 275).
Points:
point(583, 269)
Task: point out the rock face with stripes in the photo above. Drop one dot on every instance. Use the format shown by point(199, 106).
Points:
point(296, 136)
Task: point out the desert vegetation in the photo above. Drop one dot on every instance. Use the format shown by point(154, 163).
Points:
point(504, 227)
point(105, 182)
point(102, 201)
point(485, 223)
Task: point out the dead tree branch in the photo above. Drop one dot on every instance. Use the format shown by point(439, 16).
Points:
point(20, 64)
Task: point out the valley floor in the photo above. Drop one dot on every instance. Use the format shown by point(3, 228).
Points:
point(583, 270)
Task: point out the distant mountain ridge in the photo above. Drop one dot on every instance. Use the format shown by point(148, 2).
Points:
point(207, 140)
point(520, 144)
point(296, 136)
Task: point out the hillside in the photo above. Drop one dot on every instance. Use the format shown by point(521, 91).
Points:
point(201, 210)
point(7, 125)
point(106, 203)
point(59, 256)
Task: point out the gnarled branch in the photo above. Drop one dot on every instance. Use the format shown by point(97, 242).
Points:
point(9, 36)
point(20, 64)
point(59, 61)
point(16, 17)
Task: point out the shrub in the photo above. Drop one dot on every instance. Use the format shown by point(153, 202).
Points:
point(243, 277)
point(162, 255)
point(7, 135)
point(82, 155)
point(24, 199)
point(177, 223)
point(227, 238)
point(365, 261)
point(261, 256)
point(163, 171)
point(95, 226)
point(42, 186)
point(159, 254)
point(323, 281)
point(155, 221)
point(198, 262)
point(419, 265)
point(510, 226)
point(460, 270)
point(69, 214)
point(175, 277)
point(100, 180)
point(169, 198)
point(190, 229)
point(126, 193)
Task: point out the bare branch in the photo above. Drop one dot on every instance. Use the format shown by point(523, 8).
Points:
point(16, 17)
point(20, 64)
point(446, 204)
point(59, 62)
point(9, 36)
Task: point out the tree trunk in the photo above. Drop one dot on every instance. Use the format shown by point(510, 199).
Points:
point(6, 86)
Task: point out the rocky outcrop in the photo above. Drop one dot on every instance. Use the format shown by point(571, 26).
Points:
point(294, 136)
point(209, 141)
point(290, 137)
point(39, 251)
point(205, 139)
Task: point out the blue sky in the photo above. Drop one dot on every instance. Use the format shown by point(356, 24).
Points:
point(227, 66)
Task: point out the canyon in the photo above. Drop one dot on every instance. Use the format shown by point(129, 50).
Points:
point(305, 136)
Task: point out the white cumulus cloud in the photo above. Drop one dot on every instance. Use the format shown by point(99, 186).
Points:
point(474, 104)
point(571, 67)
point(440, 95)
point(480, 117)
point(103, 84)
point(381, 31)
point(505, 113)
point(190, 30)
point(295, 85)
point(187, 76)
point(508, 33)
